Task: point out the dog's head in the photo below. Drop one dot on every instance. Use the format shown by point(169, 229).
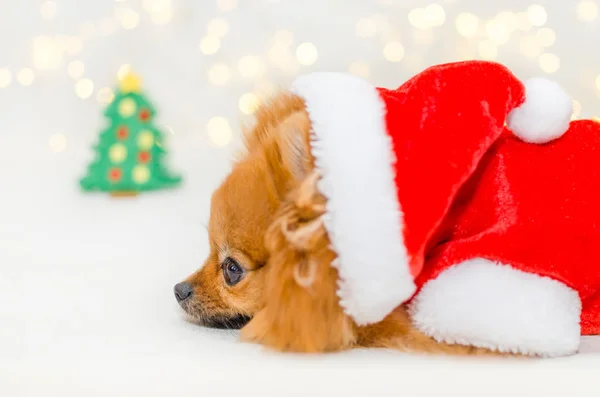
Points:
point(227, 290)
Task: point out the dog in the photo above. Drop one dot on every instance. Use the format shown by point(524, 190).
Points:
point(351, 200)
point(268, 271)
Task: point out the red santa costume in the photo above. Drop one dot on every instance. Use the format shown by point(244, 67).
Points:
point(467, 193)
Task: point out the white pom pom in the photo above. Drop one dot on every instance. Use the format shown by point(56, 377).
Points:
point(545, 114)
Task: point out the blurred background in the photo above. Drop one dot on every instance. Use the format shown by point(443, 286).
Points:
point(90, 275)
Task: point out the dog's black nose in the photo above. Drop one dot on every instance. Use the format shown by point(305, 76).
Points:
point(183, 291)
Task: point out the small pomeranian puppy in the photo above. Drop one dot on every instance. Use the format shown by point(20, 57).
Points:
point(474, 257)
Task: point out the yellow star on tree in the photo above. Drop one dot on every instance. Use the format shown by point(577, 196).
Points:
point(130, 83)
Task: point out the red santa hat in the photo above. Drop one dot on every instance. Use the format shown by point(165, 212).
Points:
point(392, 161)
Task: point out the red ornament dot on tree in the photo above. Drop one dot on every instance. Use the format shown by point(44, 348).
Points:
point(115, 174)
point(122, 133)
point(144, 115)
point(144, 157)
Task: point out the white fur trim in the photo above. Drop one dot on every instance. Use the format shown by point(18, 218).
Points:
point(355, 157)
point(545, 115)
point(486, 304)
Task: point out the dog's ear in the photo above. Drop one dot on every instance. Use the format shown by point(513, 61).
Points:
point(292, 140)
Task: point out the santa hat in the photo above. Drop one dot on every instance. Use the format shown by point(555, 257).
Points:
point(392, 161)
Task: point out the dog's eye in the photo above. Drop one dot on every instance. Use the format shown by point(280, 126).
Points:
point(233, 272)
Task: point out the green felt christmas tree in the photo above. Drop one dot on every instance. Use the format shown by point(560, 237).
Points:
point(130, 153)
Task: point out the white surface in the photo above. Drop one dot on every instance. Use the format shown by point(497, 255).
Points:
point(86, 304)
point(94, 313)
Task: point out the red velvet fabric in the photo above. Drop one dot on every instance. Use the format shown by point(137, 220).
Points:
point(469, 188)
point(442, 122)
point(533, 207)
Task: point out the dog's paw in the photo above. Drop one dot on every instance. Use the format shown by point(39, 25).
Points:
point(301, 311)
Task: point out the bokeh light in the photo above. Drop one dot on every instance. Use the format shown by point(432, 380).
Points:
point(307, 54)
point(84, 88)
point(546, 37)
point(123, 71)
point(210, 45)
point(497, 32)
point(219, 131)
point(105, 95)
point(219, 74)
point(508, 19)
point(128, 17)
point(161, 11)
point(537, 15)
point(417, 18)
point(47, 54)
point(424, 18)
point(467, 24)
point(587, 10)
point(434, 15)
point(5, 77)
point(393, 51)
point(523, 23)
point(549, 63)
point(248, 103)
point(25, 76)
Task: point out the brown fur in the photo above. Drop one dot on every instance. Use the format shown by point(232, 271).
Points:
point(266, 215)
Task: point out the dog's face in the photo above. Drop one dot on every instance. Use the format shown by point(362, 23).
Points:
point(227, 290)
